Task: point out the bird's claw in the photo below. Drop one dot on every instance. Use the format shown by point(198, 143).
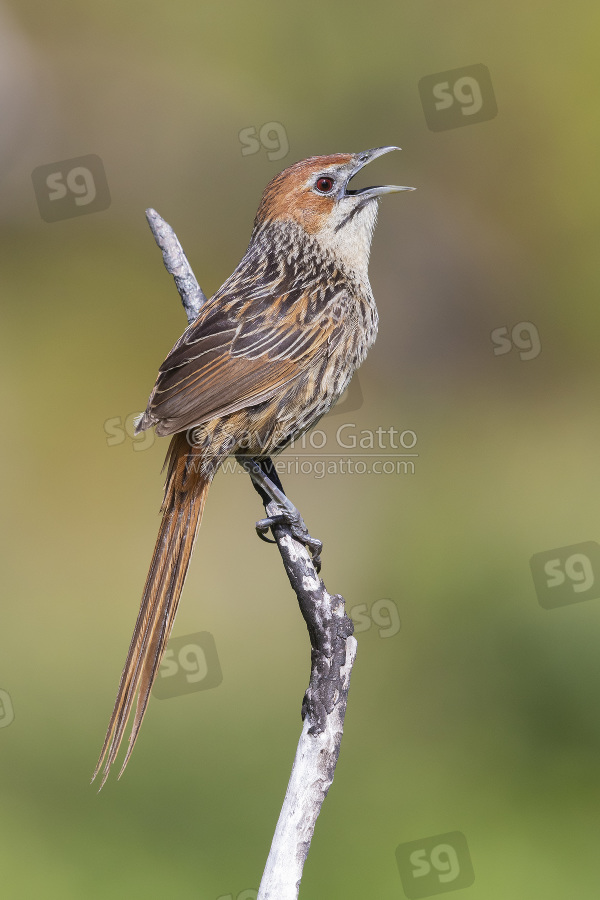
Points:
point(298, 529)
point(262, 526)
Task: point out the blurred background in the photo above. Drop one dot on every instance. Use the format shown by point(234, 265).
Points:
point(475, 699)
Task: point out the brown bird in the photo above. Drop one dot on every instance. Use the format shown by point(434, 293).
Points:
point(267, 356)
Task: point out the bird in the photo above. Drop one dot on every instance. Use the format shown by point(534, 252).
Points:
point(267, 356)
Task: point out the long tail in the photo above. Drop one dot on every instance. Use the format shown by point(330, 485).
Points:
point(185, 495)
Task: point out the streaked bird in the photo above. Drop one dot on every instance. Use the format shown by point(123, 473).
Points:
point(268, 355)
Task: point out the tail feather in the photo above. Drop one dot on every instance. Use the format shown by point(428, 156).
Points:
point(185, 495)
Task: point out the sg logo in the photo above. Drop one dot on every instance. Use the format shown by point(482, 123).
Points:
point(350, 400)
point(458, 97)
point(567, 574)
point(383, 613)
point(249, 894)
point(524, 336)
point(117, 431)
point(73, 187)
point(190, 664)
point(272, 136)
point(435, 865)
point(7, 713)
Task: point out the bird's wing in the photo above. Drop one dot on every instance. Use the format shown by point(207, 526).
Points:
point(238, 352)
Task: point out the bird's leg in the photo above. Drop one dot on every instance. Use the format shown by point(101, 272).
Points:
point(267, 484)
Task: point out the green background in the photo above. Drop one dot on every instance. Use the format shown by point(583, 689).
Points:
point(481, 715)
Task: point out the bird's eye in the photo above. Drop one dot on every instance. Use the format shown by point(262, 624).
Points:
point(324, 185)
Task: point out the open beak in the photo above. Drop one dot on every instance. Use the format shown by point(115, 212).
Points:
point(362, 160)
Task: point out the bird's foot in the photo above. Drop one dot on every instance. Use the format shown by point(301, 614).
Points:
point(284, 513)
point(291, 517)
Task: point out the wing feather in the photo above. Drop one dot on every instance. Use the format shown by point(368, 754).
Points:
point(239, 352)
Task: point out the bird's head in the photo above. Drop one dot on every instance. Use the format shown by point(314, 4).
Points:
point(315, 194)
